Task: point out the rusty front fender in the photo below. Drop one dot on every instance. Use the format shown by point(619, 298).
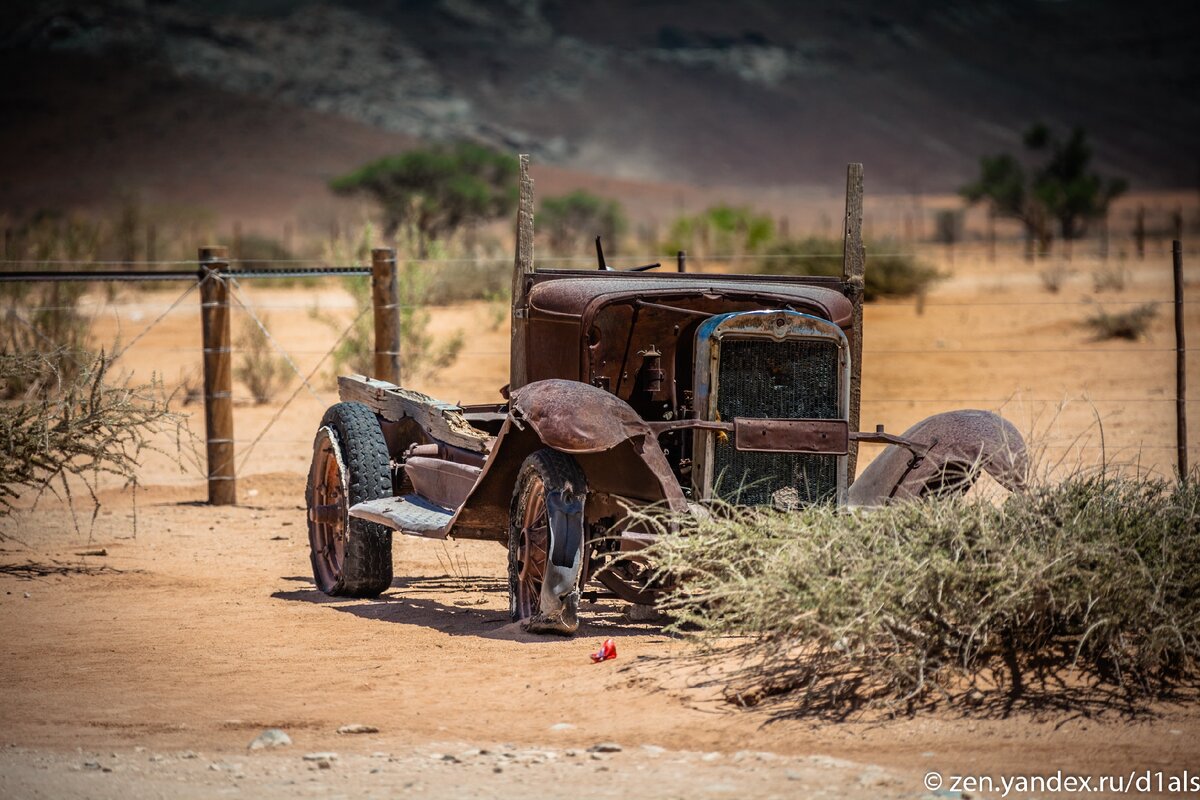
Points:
point(962, 443)
point(575, 417)
point(613, 445)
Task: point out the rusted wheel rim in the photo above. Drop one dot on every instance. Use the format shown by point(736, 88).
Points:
point(328, 529)
point(533, 550)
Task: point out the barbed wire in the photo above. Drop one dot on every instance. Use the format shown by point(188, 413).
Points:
point(642, 258)
point(892, 303)
point(867, 353)
point(267, 306)
point(883, 302)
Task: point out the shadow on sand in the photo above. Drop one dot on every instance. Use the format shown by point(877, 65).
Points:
point(481, 611)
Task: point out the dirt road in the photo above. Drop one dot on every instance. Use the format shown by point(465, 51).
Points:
point(205, 629)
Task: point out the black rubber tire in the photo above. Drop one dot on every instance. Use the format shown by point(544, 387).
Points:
point(367, 566)
point(557, 471)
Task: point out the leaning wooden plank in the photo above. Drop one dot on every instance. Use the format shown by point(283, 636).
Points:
point(443, 421)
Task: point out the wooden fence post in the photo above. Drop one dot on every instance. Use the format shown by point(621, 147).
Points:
point(385, 305)
point(151, 242)
point(854, 264)
point(218, 376)
point(1180, 363)
point(1139, 232)
point(522, 268)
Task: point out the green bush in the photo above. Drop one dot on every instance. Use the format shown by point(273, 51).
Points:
point(457, 281)
point(888, 274)
point(572, 221)
point(720, 231)
point(1090, 585)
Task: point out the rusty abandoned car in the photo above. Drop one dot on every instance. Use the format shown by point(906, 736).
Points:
point(627, 389)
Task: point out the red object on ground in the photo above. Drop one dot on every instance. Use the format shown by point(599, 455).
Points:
point(607, 650)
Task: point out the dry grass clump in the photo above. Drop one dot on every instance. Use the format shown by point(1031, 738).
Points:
point(1055, 277)
point(422, 354)
point(73, 427)
point(262, 371)
point(1092, 584)
point(460, 281)
point(1131, 324)
point(1110, 278)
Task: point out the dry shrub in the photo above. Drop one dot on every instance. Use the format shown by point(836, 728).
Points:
point(190, 387)
point(42, 317)
point(1091, 582)
point(262, 371)
point(1131, 324)
point(457, 281)
point(421, 354)
point(1054, 278)
point(1110, 278)
point(78, 427)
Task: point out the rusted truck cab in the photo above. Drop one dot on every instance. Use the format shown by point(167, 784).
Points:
point(708, 348)
point(629, 391)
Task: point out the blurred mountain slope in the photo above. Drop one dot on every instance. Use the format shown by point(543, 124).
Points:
point(756, 93)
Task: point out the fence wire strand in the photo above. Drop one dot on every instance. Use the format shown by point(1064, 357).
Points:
point(288, 402)
point(191, 288)
point(259, 269)
point(237, 295)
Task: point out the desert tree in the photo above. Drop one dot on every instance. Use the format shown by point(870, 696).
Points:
point(431, 193)
point(1003, 185)
point(1060, 188)
point(1071, 193)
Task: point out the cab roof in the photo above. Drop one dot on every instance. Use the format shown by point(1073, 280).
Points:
point(572, 292)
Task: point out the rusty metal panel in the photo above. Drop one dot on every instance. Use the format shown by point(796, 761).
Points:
point(574, 294)
point(574, 417)
point(828, 436)
point(444, 482)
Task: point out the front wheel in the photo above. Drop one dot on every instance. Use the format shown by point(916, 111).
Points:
point(550, 487)
point(350, 557)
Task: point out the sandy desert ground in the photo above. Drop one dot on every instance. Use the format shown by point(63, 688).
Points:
point(148, 670)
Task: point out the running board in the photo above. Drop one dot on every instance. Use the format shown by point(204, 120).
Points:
point(411, 514)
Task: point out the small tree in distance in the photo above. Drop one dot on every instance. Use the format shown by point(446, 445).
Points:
point(1071, 194)
point(435, 191)
point(1062, 189)
point(578, 217)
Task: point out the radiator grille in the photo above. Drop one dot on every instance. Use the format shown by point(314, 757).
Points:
point(770, 379)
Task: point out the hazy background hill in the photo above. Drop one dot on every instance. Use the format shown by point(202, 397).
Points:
point(257, 103)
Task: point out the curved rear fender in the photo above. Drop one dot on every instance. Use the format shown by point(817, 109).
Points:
point(613, 445)
point(963, 443)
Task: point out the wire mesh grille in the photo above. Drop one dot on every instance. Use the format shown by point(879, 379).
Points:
point(770, 379)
